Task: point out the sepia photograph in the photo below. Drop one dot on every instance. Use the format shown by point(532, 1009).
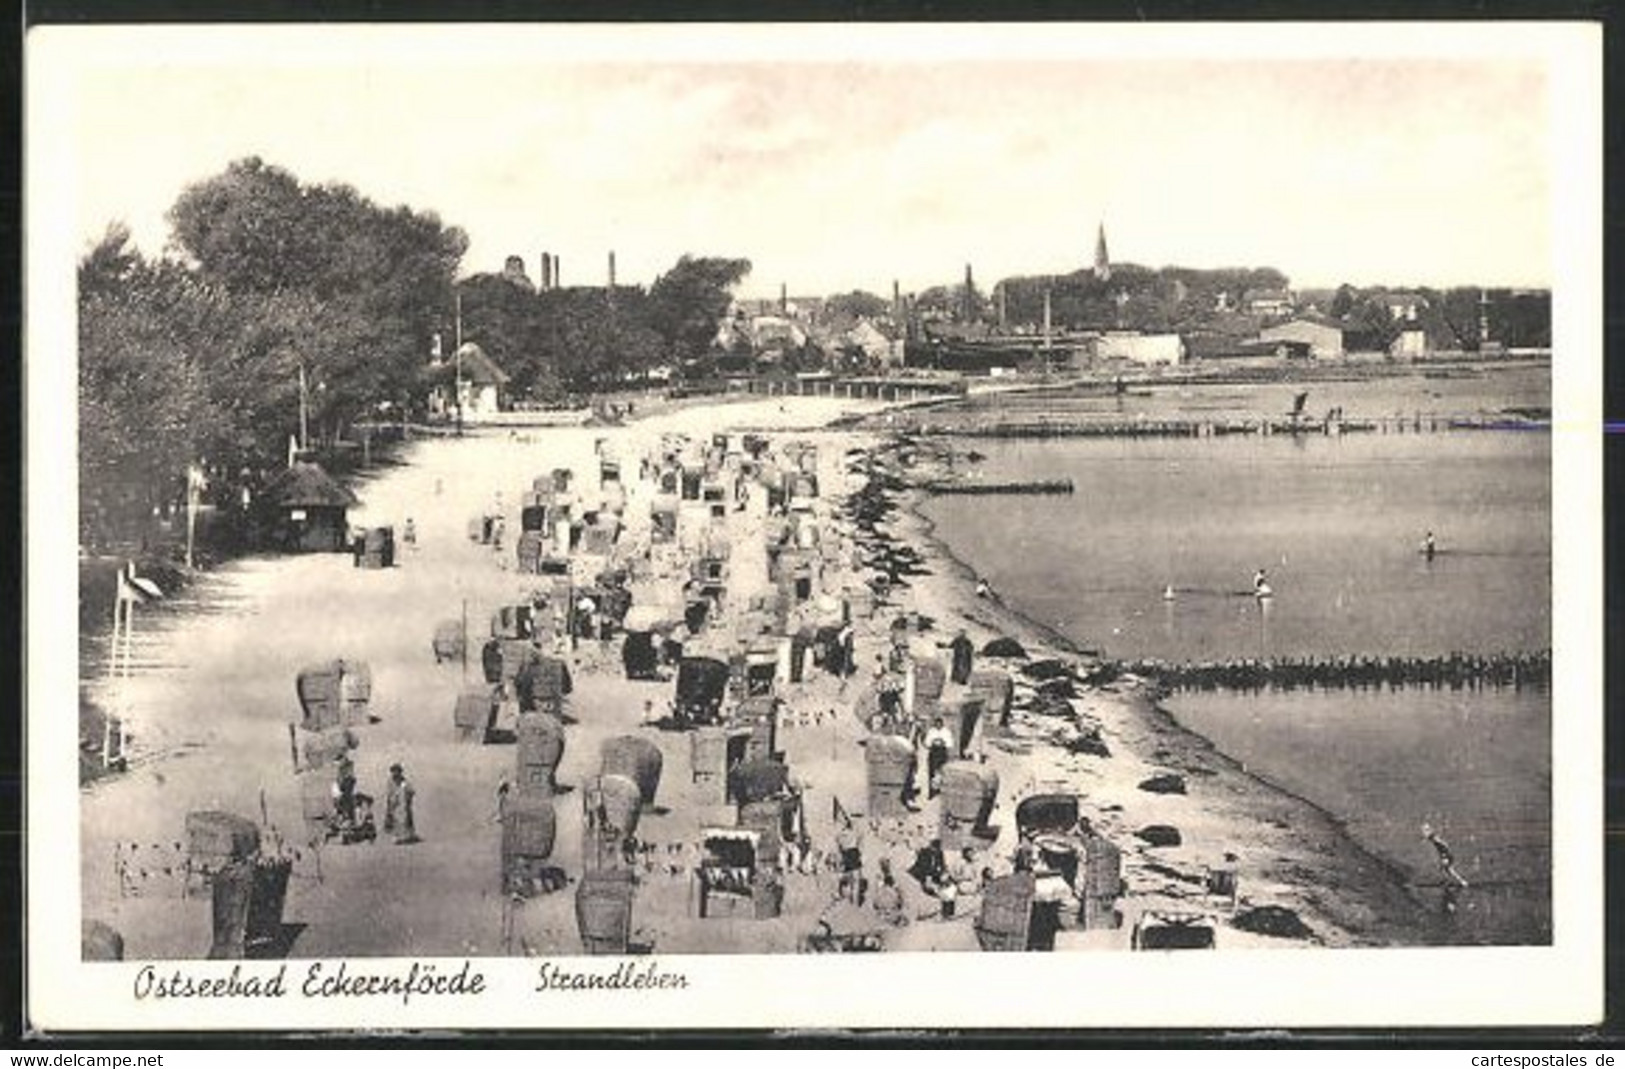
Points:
point(589, 526)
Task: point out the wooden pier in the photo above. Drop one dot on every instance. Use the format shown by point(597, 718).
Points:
point(1180, 427)
point(1452, 672)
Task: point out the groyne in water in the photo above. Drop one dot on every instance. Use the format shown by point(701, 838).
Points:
point(1453, 672)
point(1180, 427)
point(1041, 486)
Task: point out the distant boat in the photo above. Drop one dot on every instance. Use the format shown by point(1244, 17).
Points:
point(1168, 594)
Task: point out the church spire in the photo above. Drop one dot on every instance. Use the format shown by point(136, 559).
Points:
point(1103, 263)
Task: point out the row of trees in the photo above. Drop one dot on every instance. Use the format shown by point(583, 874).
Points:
point(268, 283)
point(1461, 317)
point(557, 342)
point(198, 356)
point(1177, 298)
point(1133, 297)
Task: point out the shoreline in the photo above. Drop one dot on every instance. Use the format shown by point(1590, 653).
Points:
point(1286, 852)
point(1390, 883)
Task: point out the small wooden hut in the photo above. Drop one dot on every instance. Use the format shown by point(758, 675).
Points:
point(307, 510)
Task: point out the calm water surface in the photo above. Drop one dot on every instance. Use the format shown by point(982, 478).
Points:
point(1337, 523)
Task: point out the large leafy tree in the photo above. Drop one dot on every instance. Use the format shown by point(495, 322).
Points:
point(145, 407)
point(347, 289)
point(687, 304)
point(859, 304)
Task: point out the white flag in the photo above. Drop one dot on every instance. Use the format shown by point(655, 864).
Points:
point(135, 588)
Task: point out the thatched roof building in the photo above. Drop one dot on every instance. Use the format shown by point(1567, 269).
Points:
point(308, 509)
point(307, 485)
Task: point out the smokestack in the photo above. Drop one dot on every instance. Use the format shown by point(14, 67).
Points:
point(1046, 317)
point(970, 286)
point(784, 299)
point(558, 272)
point(611, 268)
point(547, 271)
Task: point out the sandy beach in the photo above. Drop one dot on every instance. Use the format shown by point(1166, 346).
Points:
point(211, 719)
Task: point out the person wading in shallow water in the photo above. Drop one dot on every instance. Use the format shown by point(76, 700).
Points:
point(1447, 861)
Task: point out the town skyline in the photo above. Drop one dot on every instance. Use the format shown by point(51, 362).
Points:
point(1366, 166)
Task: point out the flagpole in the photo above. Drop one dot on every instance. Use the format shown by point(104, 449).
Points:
point(193, 476)
point(118, 623)
point(129, 626)
point(304, 419)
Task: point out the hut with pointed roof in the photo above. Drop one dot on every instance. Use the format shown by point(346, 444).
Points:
point(479, 386)
point(306, 510)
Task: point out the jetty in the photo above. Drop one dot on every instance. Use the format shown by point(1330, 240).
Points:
point(1040, 486)
point(1183, 427)
point(1454, 672)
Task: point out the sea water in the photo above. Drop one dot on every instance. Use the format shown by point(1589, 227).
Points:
point(1337, 523)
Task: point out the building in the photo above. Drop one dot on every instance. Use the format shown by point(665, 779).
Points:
point(475, 385)
point(776, 333)
point(1404, 307)
point(304, 510)
point(513, 270)
point(1271, 304)
point(1212, 346)
point(1148, 349)
point(875, 344)
point(1103, 262)
point(1410, 343)
point(1324, 337)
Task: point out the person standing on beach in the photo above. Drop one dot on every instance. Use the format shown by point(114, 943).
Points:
point(398, 816)
point(843, 654)
point(849, 849)
point(1428, 547)
point(963, 651)
point(938, 746)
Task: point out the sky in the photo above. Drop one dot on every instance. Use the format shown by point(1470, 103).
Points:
point(847, 160)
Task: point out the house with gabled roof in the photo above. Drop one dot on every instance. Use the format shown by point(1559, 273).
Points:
point(472, 383)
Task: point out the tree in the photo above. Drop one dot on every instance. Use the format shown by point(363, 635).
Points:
point(503, 320)
point(858, 304)
point(687, 303)
point(1343, 301)
point(351, 290)
point(145, 410)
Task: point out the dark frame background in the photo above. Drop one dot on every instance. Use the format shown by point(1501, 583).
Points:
point(15, 1029)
